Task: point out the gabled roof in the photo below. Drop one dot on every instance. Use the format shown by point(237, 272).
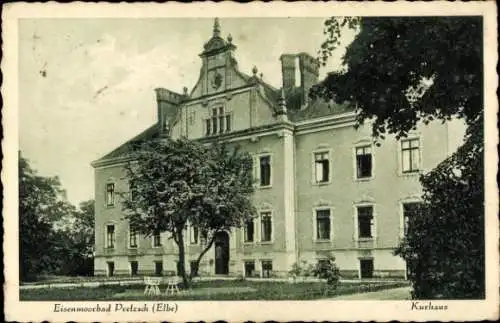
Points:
point(271, 93)
point(319, 108)
point(296, 112)
point(124, 149)
point(316, 109)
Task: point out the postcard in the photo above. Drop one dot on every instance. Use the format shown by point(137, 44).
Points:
point(250, 162)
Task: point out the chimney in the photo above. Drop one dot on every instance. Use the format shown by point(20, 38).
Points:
point(309, 73)
point(288, 72)
point(168, 108)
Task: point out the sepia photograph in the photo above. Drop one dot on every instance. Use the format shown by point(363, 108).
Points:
point(175, 164)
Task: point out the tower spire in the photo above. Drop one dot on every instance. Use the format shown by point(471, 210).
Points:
point(216, 28)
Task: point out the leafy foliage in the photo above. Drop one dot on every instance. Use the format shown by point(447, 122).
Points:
point(52, 237)
point(177, 183)
point(295, 271)
point(324, 269)
point(445, 244)
point(327, 269)
point(402, 71)
point(40, 204)
point(392, 61)
point(77, 242)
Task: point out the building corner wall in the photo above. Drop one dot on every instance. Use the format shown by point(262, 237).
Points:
point(289, 197)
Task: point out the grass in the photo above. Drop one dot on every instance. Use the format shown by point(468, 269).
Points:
point(252, 291)
point(49, 279)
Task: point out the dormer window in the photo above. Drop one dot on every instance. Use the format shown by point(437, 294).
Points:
point(218, 123)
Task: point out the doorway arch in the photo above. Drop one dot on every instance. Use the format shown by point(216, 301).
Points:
point(222, 253)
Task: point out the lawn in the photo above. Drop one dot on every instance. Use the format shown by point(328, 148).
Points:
point(210, 290)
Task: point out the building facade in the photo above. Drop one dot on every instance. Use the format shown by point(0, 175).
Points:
point(322, 186)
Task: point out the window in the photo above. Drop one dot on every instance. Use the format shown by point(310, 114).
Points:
point(134, 268)
point(133, 189)
point(214, 121)
point(410, 210)
point(221, 120)
point(207, 127)
point(322, 167)
point(249, 268)
point(193, 234)
point(323, 225)
point(410, 155)
point(111, 268)
point(363, 162)
point(228, 122)
point(158, 268)
point(110, 236)
point(265, 170)
point(366, 268)
point(365, 222)
point(266, 227)
point(132, 241)
point(249, 231)
point(110, 194)
point(157, 239)
point(218, 122)
point(267, 268)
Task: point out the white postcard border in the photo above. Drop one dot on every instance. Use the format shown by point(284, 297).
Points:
point(250, 310)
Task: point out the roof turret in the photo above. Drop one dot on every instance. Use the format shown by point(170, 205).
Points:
point(217, 44)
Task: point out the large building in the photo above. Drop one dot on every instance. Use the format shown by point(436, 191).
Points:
point(322, 186)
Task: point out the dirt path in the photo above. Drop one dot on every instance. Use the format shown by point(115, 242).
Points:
point(401, 293)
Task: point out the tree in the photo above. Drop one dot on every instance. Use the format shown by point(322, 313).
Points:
point(402, 71)
point(41, 204)
point(54, 236)
point(445, 246)
point(178, 183)
point(76, 241)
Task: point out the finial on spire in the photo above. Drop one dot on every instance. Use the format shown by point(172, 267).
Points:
point(281, 99)
point(216, 28)
point(282, 106)
point(254, 70)
point(230, 38)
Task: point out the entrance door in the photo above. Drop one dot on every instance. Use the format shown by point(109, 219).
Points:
point(134, 268)
point(222, 253)
point(366, 266)
point(111, 268)
point(158, 268)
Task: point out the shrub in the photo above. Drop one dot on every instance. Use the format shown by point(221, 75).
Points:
point(295, 271)
point(327, 269)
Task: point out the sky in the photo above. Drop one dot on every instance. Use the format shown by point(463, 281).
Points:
point(87, 85)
